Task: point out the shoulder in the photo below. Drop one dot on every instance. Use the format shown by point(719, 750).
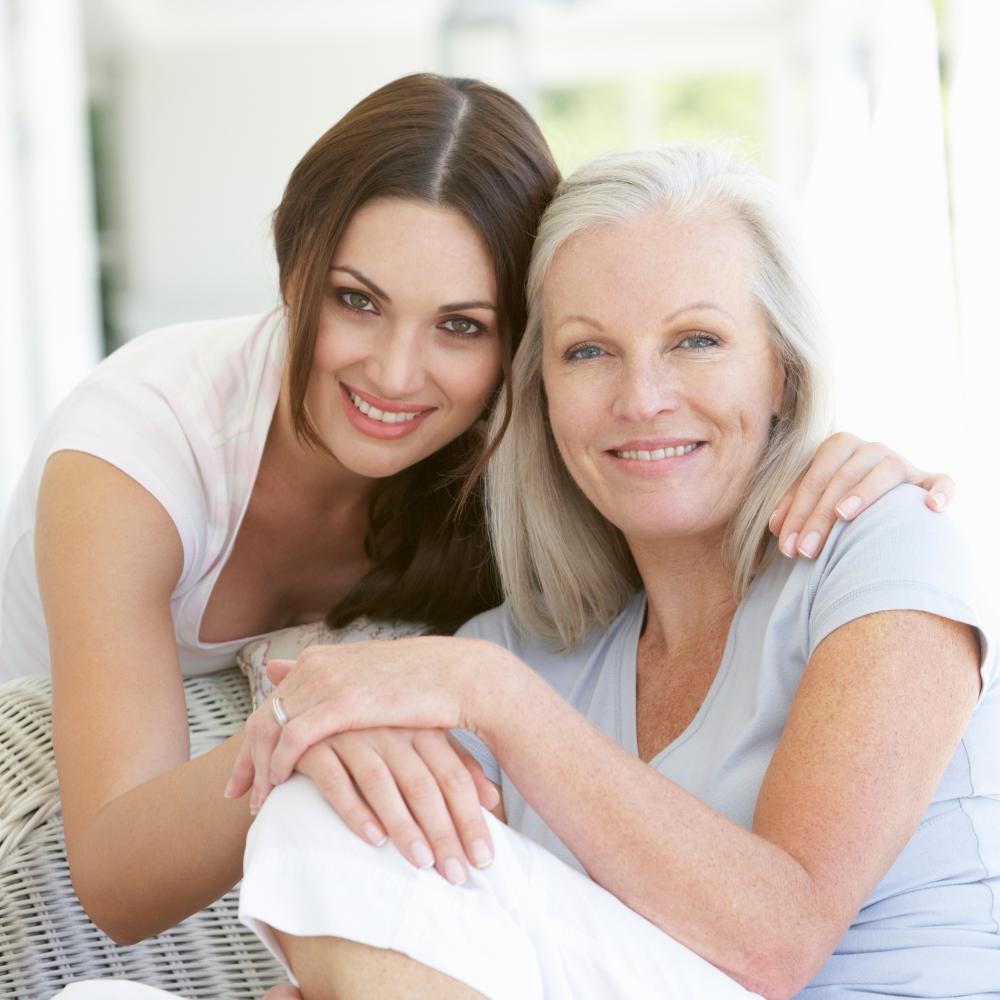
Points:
point(897, 555)
point(897, 538)
point(560, 666)
point(498, 626)
point(171, 355)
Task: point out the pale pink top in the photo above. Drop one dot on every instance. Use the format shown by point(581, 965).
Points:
point(184, 411)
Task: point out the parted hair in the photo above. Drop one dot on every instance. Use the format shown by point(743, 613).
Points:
point(564, 568)
point(451, 142)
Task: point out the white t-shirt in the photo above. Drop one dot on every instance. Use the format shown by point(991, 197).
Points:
point(185, 411)
point(930, 928)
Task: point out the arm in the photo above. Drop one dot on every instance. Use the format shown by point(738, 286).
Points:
point(851, 778)
point(149, 838)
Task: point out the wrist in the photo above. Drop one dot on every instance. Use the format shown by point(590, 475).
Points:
point(494, 682)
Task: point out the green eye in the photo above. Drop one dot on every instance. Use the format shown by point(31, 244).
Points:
point(357, 301)
point(463, 326)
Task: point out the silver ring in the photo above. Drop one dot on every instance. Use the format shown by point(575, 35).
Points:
point(278, 711)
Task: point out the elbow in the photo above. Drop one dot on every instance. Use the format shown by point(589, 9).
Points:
point(777, 971)
point(109, 918)
point(109, 911)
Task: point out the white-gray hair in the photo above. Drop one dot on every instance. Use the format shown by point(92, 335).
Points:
point(565, 569)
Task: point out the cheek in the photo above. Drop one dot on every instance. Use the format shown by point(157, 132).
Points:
point(328, 351)
point(472, 382)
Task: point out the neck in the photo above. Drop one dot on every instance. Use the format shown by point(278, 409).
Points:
point(689, 590)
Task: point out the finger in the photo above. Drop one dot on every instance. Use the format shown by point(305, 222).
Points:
point(379, 785)
point(940, 489)
point(461, 795)
point(830, 459)
point(855, 486)
point(777, 519)
point(884, 476)
point(241, 776)
point(428, 805)
point(263, 732)
point(322, 765)
point(489, 796)
point(355, 708)
point(278, 670)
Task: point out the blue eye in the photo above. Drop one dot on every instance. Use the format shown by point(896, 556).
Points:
point(699, 341)
point(585, 352)
point(462, 326)
point(356, 301)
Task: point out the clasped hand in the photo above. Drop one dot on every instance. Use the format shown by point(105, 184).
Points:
point(368, 725)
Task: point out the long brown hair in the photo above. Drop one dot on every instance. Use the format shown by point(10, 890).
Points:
point(451, 142)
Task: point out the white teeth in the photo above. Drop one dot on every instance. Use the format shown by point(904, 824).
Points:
point(376, 414)
point(658, 453)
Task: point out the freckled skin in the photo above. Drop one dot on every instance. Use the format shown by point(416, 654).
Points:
point(647, 287)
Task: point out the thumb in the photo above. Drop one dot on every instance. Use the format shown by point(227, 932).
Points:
point(278, 670)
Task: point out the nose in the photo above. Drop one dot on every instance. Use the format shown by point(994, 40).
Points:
point(395, 366)
point(645, 389)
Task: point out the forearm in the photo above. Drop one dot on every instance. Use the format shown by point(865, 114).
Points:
point(730, 895)
point(163, 850)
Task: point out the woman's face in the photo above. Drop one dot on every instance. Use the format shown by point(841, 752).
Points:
point(660, 377)
point(407, 350)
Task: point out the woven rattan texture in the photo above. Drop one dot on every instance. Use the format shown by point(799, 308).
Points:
point(46, 940)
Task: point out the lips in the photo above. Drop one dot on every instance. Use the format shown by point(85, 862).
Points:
point(381, 418)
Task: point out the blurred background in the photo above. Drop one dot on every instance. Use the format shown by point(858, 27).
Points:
point(144, 144)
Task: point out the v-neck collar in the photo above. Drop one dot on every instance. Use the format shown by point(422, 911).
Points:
point(628, 667)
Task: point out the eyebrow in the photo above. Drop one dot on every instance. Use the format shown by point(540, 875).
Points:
point(367, 282)
point(590, 321)
point(447, 307)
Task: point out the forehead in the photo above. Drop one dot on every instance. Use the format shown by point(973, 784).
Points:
point(391, 238)
point(655, 259)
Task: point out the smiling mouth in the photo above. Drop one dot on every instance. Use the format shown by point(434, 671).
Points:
point(383, 416)
point(657, 454)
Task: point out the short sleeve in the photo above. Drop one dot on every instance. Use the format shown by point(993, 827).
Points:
point(133, 426)
point(898, 555)
point(494, 626)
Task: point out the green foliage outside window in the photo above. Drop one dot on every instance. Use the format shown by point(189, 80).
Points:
point(583, 121)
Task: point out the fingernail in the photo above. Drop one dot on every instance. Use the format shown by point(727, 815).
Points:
point(770, 521)
point(373, 834)
point(254, 804)
point(848, 508)
point(454, 872)
point(421, 854)
point(810, 544)
point(788, 548)
point(482, 856)
point(939, 500)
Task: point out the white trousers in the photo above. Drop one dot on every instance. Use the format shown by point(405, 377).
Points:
point(529, 927)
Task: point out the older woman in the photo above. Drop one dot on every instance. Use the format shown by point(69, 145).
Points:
point(780, 777)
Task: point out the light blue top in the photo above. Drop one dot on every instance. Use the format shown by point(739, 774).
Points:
point(930, 928)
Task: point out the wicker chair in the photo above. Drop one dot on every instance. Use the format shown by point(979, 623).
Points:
point(46, 939)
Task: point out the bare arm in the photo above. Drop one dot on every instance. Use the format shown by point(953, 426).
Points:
point(871, 730)
point(870, 733)
point(149, 837)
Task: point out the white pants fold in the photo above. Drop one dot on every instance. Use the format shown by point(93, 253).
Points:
point(529, 927)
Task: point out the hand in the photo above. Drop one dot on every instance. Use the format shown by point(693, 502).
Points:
point(421, 683)
point(846, 476)
point(427, 791)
